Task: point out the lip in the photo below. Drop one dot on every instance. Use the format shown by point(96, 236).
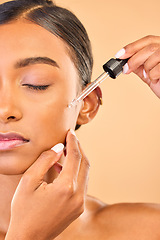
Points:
point(11, 140)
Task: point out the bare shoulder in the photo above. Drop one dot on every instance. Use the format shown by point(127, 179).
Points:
point(125, 220)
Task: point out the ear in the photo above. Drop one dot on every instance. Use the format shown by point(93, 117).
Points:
point(90, 107)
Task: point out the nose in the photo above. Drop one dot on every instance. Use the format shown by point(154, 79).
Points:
point(9, 110)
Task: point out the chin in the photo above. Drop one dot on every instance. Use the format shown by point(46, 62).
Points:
point(11, 171)
point(13, 167)
point(17, 162)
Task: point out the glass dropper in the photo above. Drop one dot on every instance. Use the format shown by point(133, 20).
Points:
point(88, 89)
point(112, 69)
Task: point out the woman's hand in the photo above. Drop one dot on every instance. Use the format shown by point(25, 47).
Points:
point(42, 211)
point(144, 60)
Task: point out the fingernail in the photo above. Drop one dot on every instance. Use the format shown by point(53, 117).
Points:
point(125, 68)
point(58, 148)
point(120, 53)
point(144, 74)
point(73, 132)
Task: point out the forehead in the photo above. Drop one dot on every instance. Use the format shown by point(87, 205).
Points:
point(24, 38)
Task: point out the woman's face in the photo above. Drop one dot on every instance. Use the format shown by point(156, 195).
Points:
point(29, 56)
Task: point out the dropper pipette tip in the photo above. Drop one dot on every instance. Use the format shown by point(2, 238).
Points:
point(72, 104)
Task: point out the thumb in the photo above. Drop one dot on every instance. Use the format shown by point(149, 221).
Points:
point(34, 175)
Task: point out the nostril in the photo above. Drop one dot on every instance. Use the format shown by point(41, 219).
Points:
point(11, 117)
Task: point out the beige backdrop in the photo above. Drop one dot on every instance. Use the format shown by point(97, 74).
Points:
point(122, 142)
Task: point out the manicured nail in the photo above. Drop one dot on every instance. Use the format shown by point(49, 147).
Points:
point(120, 53)
point(125, 68)
point(144, 74)
point(58, 148)
point(73, 132)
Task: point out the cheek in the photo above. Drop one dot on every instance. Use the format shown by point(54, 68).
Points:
point(50, 123)
point(48, 116)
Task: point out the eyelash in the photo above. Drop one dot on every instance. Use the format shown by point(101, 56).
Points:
point(37, 88)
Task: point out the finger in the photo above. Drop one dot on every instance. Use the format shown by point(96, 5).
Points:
point(154, 74)
point(58, 167)
point(153, 60)
point(132, 48)
point(141, 57)
point(156, 88)
point(140, 73)
point(33, 177)
point(151, 63)
point(73, 158)
point(82, 182)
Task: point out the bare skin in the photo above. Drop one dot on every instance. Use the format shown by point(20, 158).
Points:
point(33, 167)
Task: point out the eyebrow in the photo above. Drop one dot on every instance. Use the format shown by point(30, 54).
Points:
point(35, 60)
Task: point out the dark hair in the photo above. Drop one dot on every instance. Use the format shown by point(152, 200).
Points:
point(59, 21)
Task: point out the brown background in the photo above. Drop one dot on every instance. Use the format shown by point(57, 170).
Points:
point(122, 142)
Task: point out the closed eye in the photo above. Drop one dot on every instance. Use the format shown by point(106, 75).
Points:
point(36, 87)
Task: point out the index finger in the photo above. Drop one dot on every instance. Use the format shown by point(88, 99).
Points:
point(73, 158)
point(132, 48)
point(82, 182)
